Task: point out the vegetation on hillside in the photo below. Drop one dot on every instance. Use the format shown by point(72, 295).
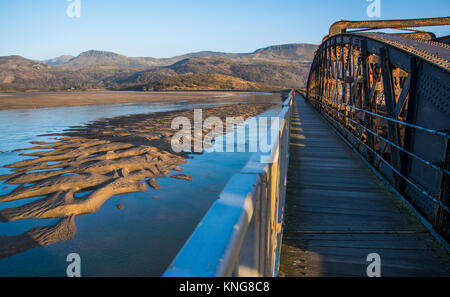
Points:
point(201, 82)
point(272, 67)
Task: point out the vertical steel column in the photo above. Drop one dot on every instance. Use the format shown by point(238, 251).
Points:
point(389, 99)
point(367, 99)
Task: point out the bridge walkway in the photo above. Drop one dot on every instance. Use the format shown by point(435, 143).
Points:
point(338, 212)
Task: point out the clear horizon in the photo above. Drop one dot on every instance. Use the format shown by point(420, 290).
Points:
point(42, 30)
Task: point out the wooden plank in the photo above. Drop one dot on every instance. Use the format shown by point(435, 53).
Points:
point(315, 209)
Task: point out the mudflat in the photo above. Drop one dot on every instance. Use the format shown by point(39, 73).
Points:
point(24, 100)
point(86, 165)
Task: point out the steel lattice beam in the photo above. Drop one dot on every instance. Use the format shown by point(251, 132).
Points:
point(389, 96)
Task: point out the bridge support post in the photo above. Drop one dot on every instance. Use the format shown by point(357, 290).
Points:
point(389, 98)
point(367, 100)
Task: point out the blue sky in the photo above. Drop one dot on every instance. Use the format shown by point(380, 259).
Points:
point(41, 29)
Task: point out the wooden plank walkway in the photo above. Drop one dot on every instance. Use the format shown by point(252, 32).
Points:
point(338, 212)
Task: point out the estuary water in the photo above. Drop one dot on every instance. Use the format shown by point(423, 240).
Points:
point(142, 238)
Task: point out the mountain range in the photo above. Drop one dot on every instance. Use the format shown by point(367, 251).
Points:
point(272, 67)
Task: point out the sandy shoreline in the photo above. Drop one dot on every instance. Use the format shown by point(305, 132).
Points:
point(58, 99)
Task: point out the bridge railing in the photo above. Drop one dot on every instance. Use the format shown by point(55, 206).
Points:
point(241, 233)
point(388, 97)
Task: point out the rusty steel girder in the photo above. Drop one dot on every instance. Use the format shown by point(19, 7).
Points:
point(418, 35)
point(342, 26)
point(389, 97)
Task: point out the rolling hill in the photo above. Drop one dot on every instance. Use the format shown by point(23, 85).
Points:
point(296, 53)
point(58, 60)
point(275, 66)
point(200, 82)
point(273, 74)
point(20, 74)
point(287, 53)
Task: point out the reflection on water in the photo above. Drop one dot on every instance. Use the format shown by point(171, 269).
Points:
point(80, 171)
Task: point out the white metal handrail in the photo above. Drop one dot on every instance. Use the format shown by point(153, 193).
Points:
point(241, 233)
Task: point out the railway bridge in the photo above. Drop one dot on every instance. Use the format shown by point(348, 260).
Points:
point(360, 171)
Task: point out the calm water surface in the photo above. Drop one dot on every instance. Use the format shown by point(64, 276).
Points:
point(141, 239)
